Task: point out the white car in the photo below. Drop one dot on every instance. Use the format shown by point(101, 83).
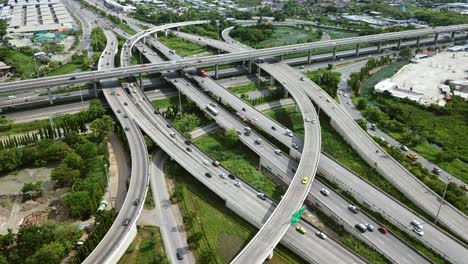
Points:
point(307, 119)
point(205, 162)
point(223, 176)
point(418, 231)
point(325, 192)
point(278, 152)
point(295, 146)
point(321, 235)
point(370, 227)
point(238, 184)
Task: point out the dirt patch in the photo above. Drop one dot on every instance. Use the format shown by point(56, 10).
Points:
point(228, 246)
point(35, 218)
point(13, 182)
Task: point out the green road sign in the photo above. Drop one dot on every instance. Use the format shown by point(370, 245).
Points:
point(297, 215)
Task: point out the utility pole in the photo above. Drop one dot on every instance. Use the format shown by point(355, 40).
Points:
point(442, 200)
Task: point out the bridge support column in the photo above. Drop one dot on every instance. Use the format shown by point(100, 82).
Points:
point(51, 100)
point(357, 49)
point(436, 38)
point(282, 57)
point(216, 71)
point(166, 32)
point(155, 35)
point(144, 41)
point(417, 42)
point(334, 53)
point(140, 80)
point(95, 90)
point(270, 256)
point(399, 44)
point(379, 48)
point(259, 75)
point(453, 35)
point(180, 103)
point(309, 57)
point(272, 80)
point(250, 66)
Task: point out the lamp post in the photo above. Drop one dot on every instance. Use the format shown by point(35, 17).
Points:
point(442, 200)
point(35, 64)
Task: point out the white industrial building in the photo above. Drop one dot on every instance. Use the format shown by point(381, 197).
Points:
point(118, 7)
point(393, 89)
point(25, 16)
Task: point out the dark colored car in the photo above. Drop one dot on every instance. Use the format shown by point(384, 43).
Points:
point(232, 176)
point(126, 222)
point(208, 175)
point(383, 230)
point(179, 256)
point(136, 202)
point(72, 78)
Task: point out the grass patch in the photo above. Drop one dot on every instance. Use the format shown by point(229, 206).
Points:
point(253, 86)
point(149, 201)
point(65, 69)
point(182, 47)
point(335, 34)
point(367, 87)
point(288, 35)
point(240, 160)
point(146, 248)
point(166, 102)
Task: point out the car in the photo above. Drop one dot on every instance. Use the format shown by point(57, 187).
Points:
point(321, 235)
point(136, 202)
point(173, 134)
point(134, 90)
point(119, 111)
point(328, 100)
point(125, 115)
point(302, 67)
point(125, 103)
point(305, 180)
point(464, 187)
point(416, 224)
point(293, 170)
point(436, 171)
point(213, 104)
point(127, 129)
point(258, 141)
point(404, 148)
point(369, 227)
point(126, 222)
point(72, 78)
point(325, 192)
point(262, 196)
point(215, 163)
point(307, 119)
point(168, 125)
point(383, 230)
point(289, 133)
point(232, 176)
point(223, 175)
point(156, 111)
point(277, 152)
point(187, 142)
point(273, 127)
point(208, 175)
point(243, 109)
point(300, 229)
point(238, 184)
point(188, 149)
point(295, 146)
point(175, 80)
point(302, 78)
point(353, 209)
point(284, 82)
point(418, 231)
point(362, 228)
point(205, 162)
point(179, 256)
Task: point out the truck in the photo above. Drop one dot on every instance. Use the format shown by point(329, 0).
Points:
point(412, 156)
point(202, 73)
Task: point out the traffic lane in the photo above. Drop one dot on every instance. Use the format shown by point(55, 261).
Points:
point(392, 210)
point(394, 248)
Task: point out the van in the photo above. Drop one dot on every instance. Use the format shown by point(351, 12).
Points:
point(362, 228)
point(416, 224)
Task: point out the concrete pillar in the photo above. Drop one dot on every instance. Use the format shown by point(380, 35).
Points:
point(282, 58)
point(95, 90)
point(270, 256)
point(259, 72)
point(453, 35)
point(309, 57)
point(166, 32)
point(272, 80)
point(379, 48)
point(51, 100)
point(399, 44)
point(250, 66)
point(466, 37)
point(144, 41)
point(155, 35)
point(435, 38)
point(140, 81)
point(216, 71)
point(334, 53)
point(357, 49)
point(417, 41)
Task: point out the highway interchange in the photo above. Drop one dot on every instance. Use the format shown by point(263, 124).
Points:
point(140, 110)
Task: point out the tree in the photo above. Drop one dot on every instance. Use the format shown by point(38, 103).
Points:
point(34, 189)
point(186, 122)
point(101, 127)
point(74, 161)
point(405, 53)
point(194, 238)
point(64, 176)
point(51, 253)
point(362, 104)
point(95, 110)
point(232, 138)
point(87, 149)
point(3, 28)
point(78, 204)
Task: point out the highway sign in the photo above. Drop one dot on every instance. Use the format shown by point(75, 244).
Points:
point(297, 215)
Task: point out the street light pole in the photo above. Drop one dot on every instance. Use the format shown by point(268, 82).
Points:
point(35, 64)
point(442, 201)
